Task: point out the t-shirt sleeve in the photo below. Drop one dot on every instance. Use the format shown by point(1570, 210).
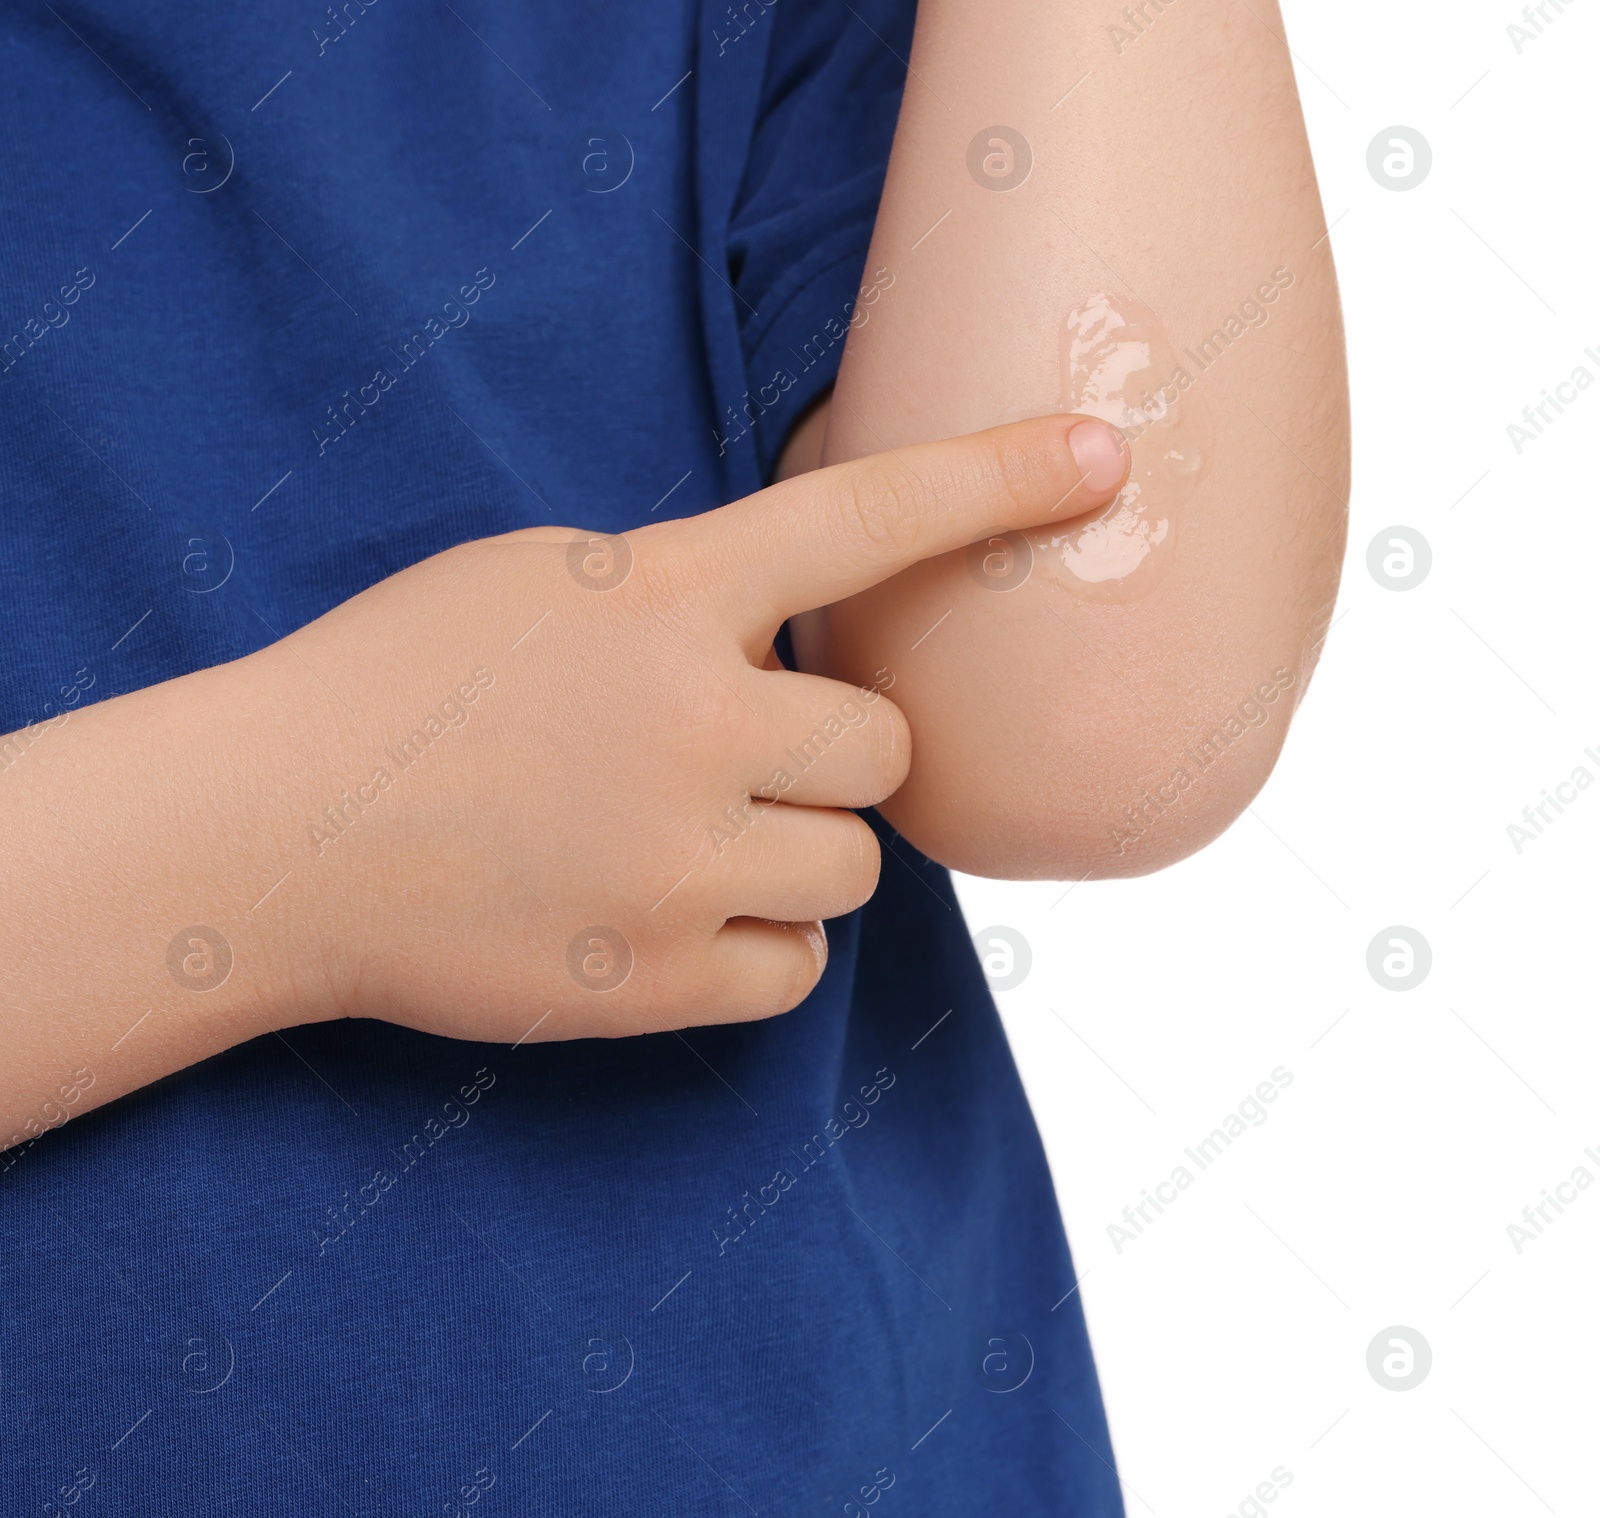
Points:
point(803, 218)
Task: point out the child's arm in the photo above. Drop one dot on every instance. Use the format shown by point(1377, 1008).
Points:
point(1169, 221)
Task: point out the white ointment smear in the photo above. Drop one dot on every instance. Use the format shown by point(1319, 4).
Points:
point(1118, 364)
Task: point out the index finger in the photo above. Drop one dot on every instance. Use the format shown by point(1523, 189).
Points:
point(829, 534)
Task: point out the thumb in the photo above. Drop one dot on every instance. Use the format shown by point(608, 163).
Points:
point(819, 537)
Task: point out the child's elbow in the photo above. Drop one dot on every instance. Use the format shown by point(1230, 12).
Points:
point(1124, 808)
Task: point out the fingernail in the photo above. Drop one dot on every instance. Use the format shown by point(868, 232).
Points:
point(1100, 452)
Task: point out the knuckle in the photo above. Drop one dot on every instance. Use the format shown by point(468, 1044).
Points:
point(808, 960)
point(1028, 467)
point(662, 575)
point(877, 510)
point(1013, 470)
point(680, 573)
point(892, 735)
point(706, 708)
point(685, 561)
point(859, 863)
point(683, 708)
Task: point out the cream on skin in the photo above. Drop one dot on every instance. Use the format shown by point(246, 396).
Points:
point(1118, 364)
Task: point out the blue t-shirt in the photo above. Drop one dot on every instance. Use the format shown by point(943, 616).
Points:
point(293, 299)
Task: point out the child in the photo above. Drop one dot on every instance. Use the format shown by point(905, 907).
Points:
point(425, 874)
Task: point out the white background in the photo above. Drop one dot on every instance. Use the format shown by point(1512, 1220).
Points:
point(1232, 1335)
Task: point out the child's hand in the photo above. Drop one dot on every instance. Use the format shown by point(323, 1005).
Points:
point(504, 794)
point(617, 812)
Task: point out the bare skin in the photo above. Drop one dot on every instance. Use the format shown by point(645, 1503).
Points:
point(1059, 736)
point(437, 803)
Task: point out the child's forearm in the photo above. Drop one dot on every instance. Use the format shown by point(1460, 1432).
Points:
point(1066, 201)
point(139, 840)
